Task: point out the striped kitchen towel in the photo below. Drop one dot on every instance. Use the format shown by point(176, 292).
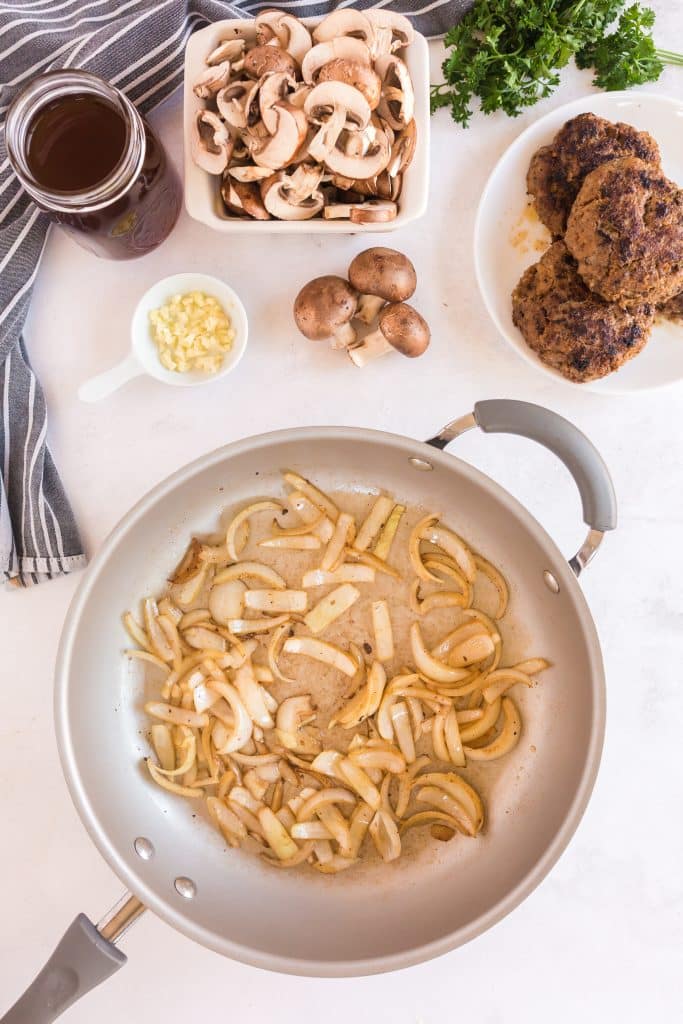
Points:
point(137, 45)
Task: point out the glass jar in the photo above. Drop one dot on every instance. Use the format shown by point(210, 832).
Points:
point(133, 200)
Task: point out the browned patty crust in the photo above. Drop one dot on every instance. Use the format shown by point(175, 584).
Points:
point(556, 172)
point(626, 233)
point(571, 329)
point(673, 309)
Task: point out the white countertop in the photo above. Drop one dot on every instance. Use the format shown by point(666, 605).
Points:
point(602, 937)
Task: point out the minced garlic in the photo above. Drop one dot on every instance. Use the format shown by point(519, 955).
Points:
point(192, 332)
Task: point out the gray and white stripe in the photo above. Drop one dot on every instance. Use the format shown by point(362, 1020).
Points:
point(138, 45)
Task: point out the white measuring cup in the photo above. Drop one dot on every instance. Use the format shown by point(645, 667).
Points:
point(144, 358)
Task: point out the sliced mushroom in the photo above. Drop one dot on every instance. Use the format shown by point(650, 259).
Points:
point(401, 328)
point(274, 88)
point(238, 104)
point(249, 172)
point(230, 49)
point(231, 198)
point(291, 34)
point(355, 73)
point(403, 150)
point(323, 310)
point(278, 149)
point(304, 182)
point(381, 186)
point(344, 22)
point(264, 59)
point(250, 198)
point(279, 192)
point(381, 275)
point(298, 97)
point(211, 143)
point(397, 104)
point(344, 48)
point(336, 107)
point(212, 80)
point(372, 211)
point(371, 163)
point(391, 31)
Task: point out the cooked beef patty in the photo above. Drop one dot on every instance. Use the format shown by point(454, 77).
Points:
point(673, 309)
point(571, 329)
point(557, 171)
point(626, 233)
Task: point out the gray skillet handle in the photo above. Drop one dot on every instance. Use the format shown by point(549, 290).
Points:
point(507, 416)
point(81, 961)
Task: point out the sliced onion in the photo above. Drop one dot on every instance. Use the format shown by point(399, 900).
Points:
point(416, 714)
point(373, 522)
point(242, 725)
point(226, 600)
point(275, 601)
point(460, 790)
point(264, 675)
point(471, 651)
point(461, 632)
point(189, 564)
point(251, 696)
point(428, 818)
point(344, 574)
point(384, 637)
point(230, 825)
point(255, 784)
point(242, 627)
point(138, 635)
point(194, 618)
point(360, 782)
point(237, 657)
point(322, 849)
point(242, 796)
point(382, 548)
point(162, 742)
point(498, 682)
point(310, 830)
point(532, 666)
point(452, 737)
point(157, 638)
point(366, 702)
point(318, 498)
point(298, 531)
point(277, 835)
point(400, 719)
point(310, 513)
point(274, 648)
point(358, 826)
point(189, 591)
point(306, 543)
point(336, 864)
point(439, 599)
point(203, 698)
point(246, 816)
point(172, 787)
point(251, 570)
point(241, 520)
point(343, 534)
point(337, 826)
point(414, 548)
point(498, 580)
point(386, 758)
point(152, 659)
point(385, 836)
point(438, 734)
point(327, 763)
point(293, 713)
point(176, 716)
point(254, 760)
point(429, 665)
point(507, 738)
point(204, 639)
point(322, 798)
point(320, 650)
point(367, 558)
point(443, 801)
point(326, 611)
point(454, 546)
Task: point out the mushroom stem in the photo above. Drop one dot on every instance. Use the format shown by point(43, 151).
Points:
point(368, 308)
point(372, 346)
point(343, 337)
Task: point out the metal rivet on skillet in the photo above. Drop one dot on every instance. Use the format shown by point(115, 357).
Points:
point(420, 464)
point(144, 848)
point(185, 887)
point(550, 581)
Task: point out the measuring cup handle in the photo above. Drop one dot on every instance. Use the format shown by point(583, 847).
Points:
point(507, 416)
point(100, 387)
point(80, 962)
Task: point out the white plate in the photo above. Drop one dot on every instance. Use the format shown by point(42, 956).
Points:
point(506, 237)
point(202, 198)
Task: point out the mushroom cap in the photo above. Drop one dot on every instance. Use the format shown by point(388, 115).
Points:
point(324, 305)
point(383, 272)
point(353, 72)
point(265, 59)
point(404, 329)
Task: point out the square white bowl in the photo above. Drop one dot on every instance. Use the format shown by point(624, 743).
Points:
point(202, 194)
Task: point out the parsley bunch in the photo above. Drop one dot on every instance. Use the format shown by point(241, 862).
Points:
point(509, 52)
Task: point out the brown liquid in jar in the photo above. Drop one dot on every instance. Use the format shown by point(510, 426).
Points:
point(74, 144)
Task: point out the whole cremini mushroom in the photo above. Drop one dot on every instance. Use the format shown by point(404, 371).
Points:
point(401, 328)
point(324, 308)
point(381, 275)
